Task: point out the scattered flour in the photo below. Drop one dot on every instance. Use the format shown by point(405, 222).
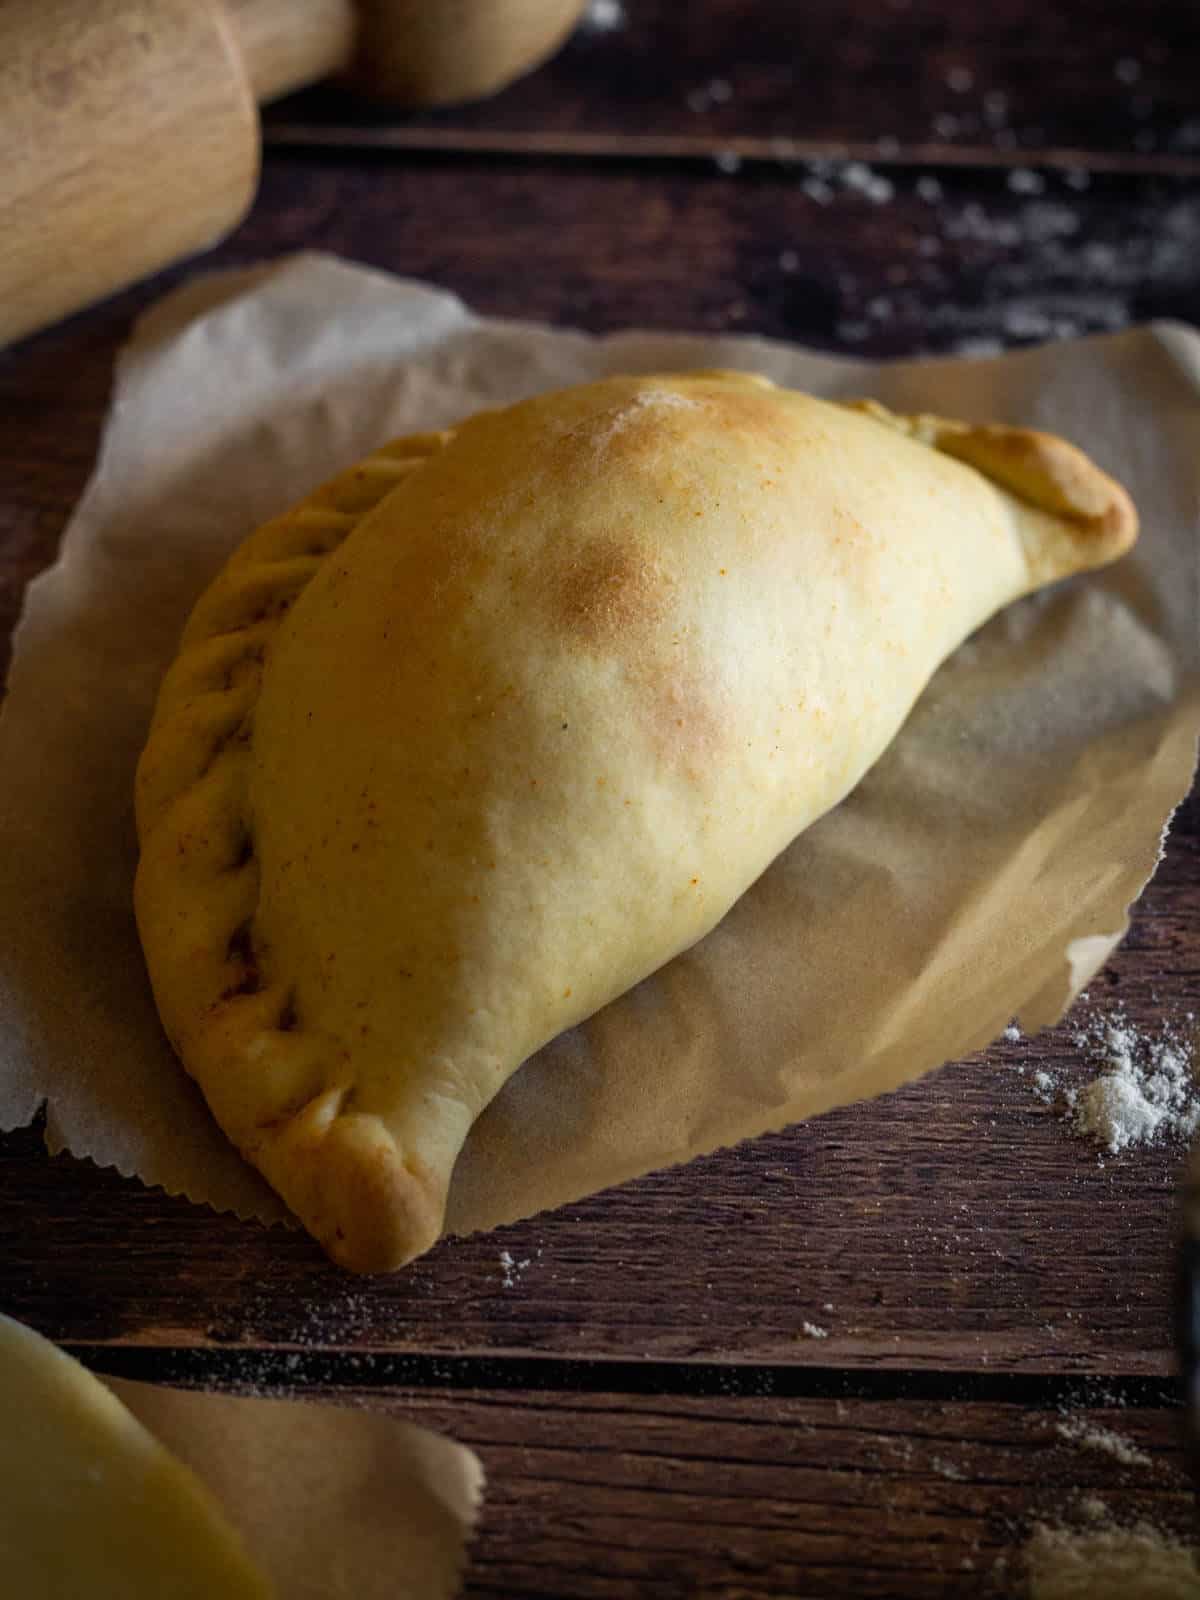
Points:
point(1031, 246)
point(1146, 1090)
point(1107, 1562)
point(810, 1330)
point(604, 16)
point(1045, 1086)
point(605, 426)
point(716, 92)
point(511, 1268)
point(995, 109)
point(1012, 1033)
point(860, 179)
point(824, 176)
point(728, 161)
point(1023, 180)
point(1077, 1430)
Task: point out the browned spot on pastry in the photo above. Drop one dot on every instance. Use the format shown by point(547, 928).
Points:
point(608, 591)
point(753, 412)
point(681, 715)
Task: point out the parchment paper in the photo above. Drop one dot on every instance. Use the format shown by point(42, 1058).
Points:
point(329, 1501)
point(982, 870)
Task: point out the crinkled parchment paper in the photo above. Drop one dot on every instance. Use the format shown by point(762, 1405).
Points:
point(328, 1500)
point(982, 870)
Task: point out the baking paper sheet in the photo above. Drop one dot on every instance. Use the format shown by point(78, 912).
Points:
point(329, 1501)
point(982, 870)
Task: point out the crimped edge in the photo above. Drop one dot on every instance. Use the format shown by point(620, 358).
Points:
point(282, 1091)
point(1043, 471)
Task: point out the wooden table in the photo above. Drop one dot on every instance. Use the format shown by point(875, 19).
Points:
point(652, 1417)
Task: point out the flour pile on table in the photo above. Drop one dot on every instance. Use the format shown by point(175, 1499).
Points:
point(1146, 1091)
point(1077, 1430)
point(1107, 1562)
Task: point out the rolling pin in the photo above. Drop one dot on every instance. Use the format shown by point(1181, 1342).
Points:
point(129, 128)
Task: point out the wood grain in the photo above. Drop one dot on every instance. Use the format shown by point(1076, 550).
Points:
point(766, 1498)
point(890, 78)
point(603, 1494)
point(131, 137)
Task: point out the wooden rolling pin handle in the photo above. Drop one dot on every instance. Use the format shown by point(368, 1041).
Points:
point(438, 52)
point(287, 44)
point(405, 52)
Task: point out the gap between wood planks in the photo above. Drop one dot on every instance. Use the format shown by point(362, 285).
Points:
point(285, 134)
point(297, 1370)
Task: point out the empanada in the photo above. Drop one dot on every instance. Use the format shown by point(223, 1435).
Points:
point(92, 1505)
point(499, 721)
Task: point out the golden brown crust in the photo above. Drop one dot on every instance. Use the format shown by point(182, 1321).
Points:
point(525, 740)
point(371, 1209)
point(1045, 471)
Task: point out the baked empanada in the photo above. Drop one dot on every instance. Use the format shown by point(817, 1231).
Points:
point(499, 721)
point(93, 1506)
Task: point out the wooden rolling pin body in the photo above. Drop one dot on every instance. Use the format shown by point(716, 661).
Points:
point(130, 139)
point(129, 128)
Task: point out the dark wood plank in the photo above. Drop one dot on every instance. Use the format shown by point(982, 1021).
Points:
point(660, 1497)
point(892, 77)
point(929, 262)
point(759, 1498)
point(954, 1226)
point(835, 256)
